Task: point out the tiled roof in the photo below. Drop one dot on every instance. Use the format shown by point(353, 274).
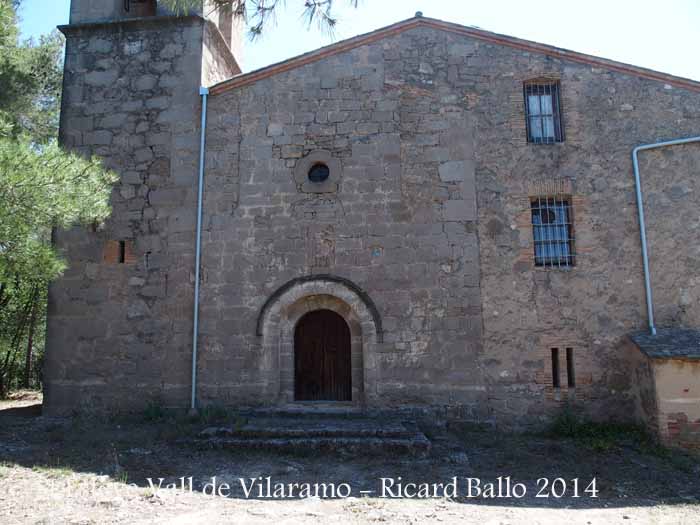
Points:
point(669, 343)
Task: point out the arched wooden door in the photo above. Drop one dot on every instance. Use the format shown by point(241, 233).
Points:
point(322, 358)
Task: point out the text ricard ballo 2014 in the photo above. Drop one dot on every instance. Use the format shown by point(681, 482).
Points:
point(502, 487)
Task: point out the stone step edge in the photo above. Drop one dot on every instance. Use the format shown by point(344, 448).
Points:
point(416, 444)
point(305, 433)
point(311, 412)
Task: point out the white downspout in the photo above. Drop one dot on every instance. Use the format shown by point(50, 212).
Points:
point(642, 225)
point(204, 92)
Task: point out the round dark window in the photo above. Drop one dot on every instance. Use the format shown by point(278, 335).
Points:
point(319, 172)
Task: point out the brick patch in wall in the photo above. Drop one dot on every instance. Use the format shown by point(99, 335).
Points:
point(682, 432)
point(583, 371)
point(119, 252)
point(580, 217)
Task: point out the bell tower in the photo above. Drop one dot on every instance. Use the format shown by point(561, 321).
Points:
point(120, 319)
point(95, 10)
point(230, 27)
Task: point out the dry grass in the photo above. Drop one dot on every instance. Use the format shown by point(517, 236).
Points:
point(87, 470)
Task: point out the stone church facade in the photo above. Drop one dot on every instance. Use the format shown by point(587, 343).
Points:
point(459, 206)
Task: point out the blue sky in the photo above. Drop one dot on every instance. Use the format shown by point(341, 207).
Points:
point(662, 35)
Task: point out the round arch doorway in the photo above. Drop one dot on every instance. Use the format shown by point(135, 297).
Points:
point(322, 363)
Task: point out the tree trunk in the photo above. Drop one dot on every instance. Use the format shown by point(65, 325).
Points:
point(8, 364)
point(30, 344)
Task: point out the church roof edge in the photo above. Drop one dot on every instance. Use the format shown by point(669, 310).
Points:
point(476, 33)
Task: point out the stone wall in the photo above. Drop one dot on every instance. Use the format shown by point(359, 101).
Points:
point(425, 125)
point(218, 62)
point(94, 10)
point(90, 11)
point(641, 369)
point(671, 183)
point(233, 29)
point(427, 214)
point(398, 222)
point(119, 334)
point(222, 48)
point(528, 310)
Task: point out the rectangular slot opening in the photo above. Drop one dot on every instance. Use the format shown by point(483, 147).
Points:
point(570, 372)
point(137, 8)
point(122, 252)
point(555, 368)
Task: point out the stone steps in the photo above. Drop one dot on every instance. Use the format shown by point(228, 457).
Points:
point(310, 411)
point(318, 433)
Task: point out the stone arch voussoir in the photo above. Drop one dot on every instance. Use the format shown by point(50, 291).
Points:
point(282, 311)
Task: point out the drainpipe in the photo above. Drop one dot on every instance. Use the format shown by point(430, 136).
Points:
point(642, 226)
point(204, 93)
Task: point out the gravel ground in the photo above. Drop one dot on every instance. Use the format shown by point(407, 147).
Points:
point(84, 470)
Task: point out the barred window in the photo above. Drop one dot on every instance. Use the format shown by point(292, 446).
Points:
point(543, 112)
point(552, 230)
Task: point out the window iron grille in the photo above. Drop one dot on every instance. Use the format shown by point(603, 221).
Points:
point(543, 113)
point(553, 233)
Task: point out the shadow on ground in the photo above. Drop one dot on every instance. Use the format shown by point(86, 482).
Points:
point(133, 449)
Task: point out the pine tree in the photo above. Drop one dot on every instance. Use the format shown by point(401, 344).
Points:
point(259, 14)
point(41, 187)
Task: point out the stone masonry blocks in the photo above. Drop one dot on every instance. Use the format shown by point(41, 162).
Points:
point(431, 220)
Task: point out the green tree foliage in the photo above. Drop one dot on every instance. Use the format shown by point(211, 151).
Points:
point(258, 14)
point(41, 187)
point(30, 76)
